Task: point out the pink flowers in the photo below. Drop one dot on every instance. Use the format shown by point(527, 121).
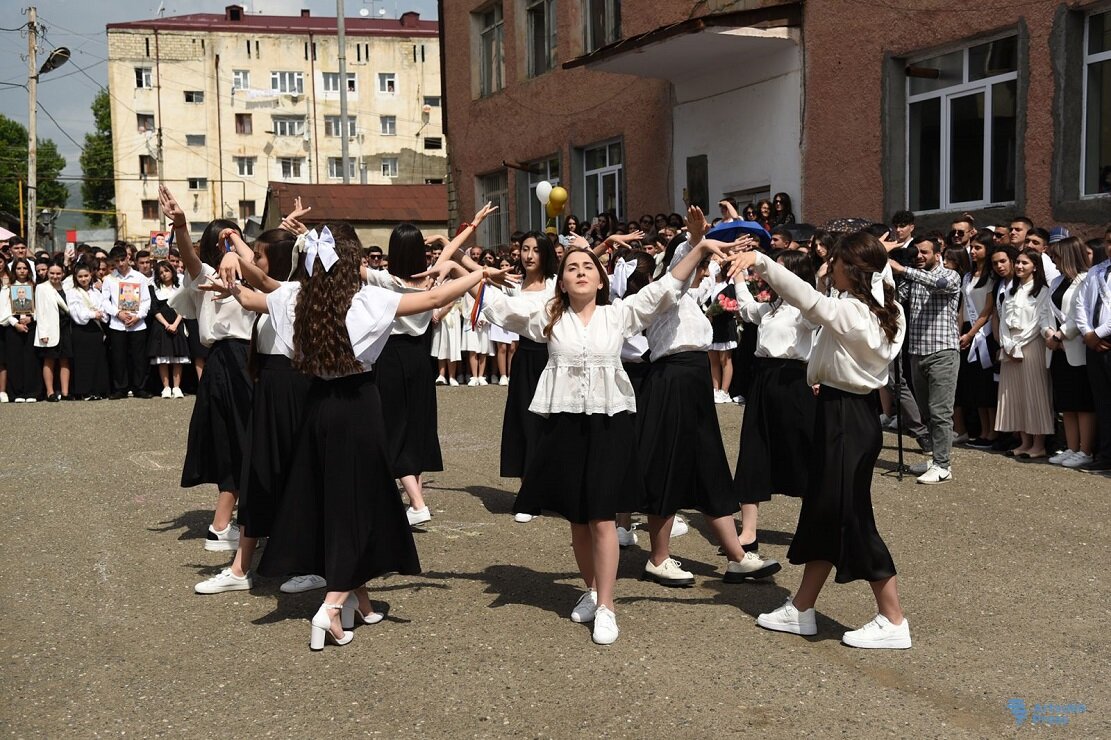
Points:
point(728, 304)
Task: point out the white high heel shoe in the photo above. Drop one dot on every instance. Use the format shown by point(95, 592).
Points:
point(351, 608)
point(322, 628)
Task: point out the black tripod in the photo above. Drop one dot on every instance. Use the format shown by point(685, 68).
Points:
point(900, 466)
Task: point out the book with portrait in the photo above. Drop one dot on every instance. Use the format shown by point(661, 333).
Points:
point(23, 299)
point(130, 297)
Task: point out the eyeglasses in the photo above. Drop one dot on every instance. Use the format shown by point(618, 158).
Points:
point(958, 233)
point(999, 235)
point(378, 256)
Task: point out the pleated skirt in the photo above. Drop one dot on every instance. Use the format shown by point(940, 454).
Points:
point(777, 433)
point(682, 457)
point(1072, 391)
point(276, 416)
point(221, 414)
point(404, 375)
point(836, 521)
point(585, 468)
point(1025, 399)
point(520, 428)
point(447, 338)
point(340, 515)
point(90, 361)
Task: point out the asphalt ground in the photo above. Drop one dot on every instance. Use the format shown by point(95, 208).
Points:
point(1003, 575)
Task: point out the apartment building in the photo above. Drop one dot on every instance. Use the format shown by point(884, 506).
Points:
point(217, 106)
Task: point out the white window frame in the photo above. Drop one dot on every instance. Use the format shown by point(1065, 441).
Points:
point(288, 125)
point(495, 30)
point(617, 170)
point(612, 29)
point(432, 101)
point(1089, 60)
point(196, 100)
point(287, 82)
point(439, 143)
point(195, 139)
point(144, 78)
point(245, 166)
point(494, 187)
point(387, 125)
point(384, 80)
point(335, 171)
point(329, 82)
point(332, 127)
point(546, 10)
point(389, 167)
point(538, 171)
point(947, 95)
point(240, 79)
point(290, 167)
point(198, 183)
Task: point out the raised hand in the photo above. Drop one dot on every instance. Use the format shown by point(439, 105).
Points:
point(173, 212)
point(434, 239)
point(696, 224)
point(228, 270)
point(483, 212)
point(439, 271)
point(741, 261)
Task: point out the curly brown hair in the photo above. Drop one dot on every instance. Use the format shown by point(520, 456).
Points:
point(862, 255)
point(322, 347)
point(561, 302)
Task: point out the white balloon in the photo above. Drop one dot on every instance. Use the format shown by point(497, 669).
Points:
point(543, 192)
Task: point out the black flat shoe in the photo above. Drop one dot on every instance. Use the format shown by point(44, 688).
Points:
point(53, 398)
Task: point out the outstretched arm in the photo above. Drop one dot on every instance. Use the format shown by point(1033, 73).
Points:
point(176, 216)
point(465, 233)
point(441, 295)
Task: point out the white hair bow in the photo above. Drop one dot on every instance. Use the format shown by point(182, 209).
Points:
point(878, 279)
point(320, 245)
point(619, 281)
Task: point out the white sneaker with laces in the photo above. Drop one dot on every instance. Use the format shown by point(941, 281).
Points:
point(1078, 459)
point(626, 537)
point(504, 380)
point(223, 581)
point(483, 381)
point(668, 573)
point(177, 393)
point(751, 567)
point(418, 516)
point(789, 619)
point(301, 584)
point(679, 527)
point(605, 626)
point(523, 518)
point(585, 608)
point(167, 393)
point(226, 540)
point(31, 400)
point(441, 380)
point(721, 396)
point(1060, 457)
point(880, 633)
point(919, 468)
point(935, 474)
point(739, 400)
point(472, 383)
point(453, 382)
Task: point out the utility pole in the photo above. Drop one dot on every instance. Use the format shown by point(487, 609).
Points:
point(32, 133)
point(343, 132)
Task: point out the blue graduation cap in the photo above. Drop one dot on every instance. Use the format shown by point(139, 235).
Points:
point(728, 231)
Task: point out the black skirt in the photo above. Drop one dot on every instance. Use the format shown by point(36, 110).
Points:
point(977, 387)
point(221, 413)
point(276, 416)
point(161, 343)
point(90, 360)
point(585, 468)
point(744, 358)
point(409, 406)
point(520, 427)
point(1072, 391)
point(637, 372)
point(340, 515)
point(63, 350)
point(836, 522)
point(197, 351)
point(24, 365)
point(777, 433)
point(682, 457)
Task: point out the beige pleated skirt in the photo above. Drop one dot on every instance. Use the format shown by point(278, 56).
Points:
point(1025, 400)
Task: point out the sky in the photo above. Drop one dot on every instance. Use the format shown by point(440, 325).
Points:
point(67, 92)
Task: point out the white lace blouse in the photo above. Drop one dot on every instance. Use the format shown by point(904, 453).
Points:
point(683, 327)
point(584, 373)
point(1023, 316)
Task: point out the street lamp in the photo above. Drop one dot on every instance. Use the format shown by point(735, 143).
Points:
point(55, 59)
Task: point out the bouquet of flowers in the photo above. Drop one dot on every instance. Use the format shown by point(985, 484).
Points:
point(758, 288)
point(723, 304)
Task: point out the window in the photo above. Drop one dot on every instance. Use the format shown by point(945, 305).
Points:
point(335, 167)
point(143, 78)
point(246, 209)
point(150, 210)
point(601, 23)
point(197, 227)
point(541, 36)
point(529, 209)
point(291, 167)
point(145, 122)
point(1096, 149)
point(292, 83)
point(243, 123)
point(491, 62)
point(389, 166)
point(198, 183)
point(330, 82)
point(240, 79)
point(961, 119)
point(332, 126)
point(433, 142)
point(194, 140)
point(289, 125)
point(387, 125)
point(432, 101)
point(245, 166)
point(602, 175)
point(387, 83)
point(194, 96)
point(148, 166)
point(494, 231)
point(433, 181)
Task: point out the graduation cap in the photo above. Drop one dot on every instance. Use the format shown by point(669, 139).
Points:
point(728, 231)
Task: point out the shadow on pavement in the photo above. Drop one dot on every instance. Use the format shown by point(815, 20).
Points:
point(514, 584)
point(195, 523)
point(495, 500)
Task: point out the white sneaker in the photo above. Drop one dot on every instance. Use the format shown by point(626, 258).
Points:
point(789, 619)
point(226, 540)
point(585, 608)
point(177, 393)
point(679, 527)
point(21, 400)
point(605, 626)
point(3, 397)
point(472, 383)
point(31, 400)
point(751, 567)
point(483, 381)
point(935, 474)
point(225, 580)
point(880, 633)
point(720, 397)
point(453, 382)
point(739, 400)
point(418, 516)
point(167, 393)
point(1060, 457)
point(504, 380)
point(919, 468)
point(523, 518)
point(440, 380)
point(626, 537)
point(300, 584)
point(668, 573)
point(1078, 459)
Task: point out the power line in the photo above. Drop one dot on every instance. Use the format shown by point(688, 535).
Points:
point(59, 126)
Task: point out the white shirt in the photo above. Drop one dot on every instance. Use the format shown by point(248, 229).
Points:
point(852, 352)
point(1024, 316)
point(683, 327)
point(584, 373)
point(369, 320)
point(83, 305)
point(110, 290)
point(1096, 287)
point(783, 334)
point(219, 319)
point(1073, 342)
point(414, 325)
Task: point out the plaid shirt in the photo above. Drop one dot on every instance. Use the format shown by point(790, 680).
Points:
point(931, 298)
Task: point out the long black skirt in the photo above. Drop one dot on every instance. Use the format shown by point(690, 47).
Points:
point(197, 351)
point(977, 387)
point(637, 372)
point(836, 523)
point(776, 434)
point(682, 457)
point(1072, 391)
point(340, 515)
point(24, 365)
point(585, 468)
point(276, 416)
point(221, 413)
point(409, 406)
point(90, 360)
point(520, 427)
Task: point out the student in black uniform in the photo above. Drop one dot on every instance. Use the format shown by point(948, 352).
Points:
point(24, 370)
point(90, 351)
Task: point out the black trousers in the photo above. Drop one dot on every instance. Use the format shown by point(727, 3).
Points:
point(1099, 375)
point(127, 356)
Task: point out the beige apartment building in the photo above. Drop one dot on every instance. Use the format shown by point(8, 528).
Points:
point(217, 106)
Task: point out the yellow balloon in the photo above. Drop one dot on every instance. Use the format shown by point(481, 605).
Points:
point(553, 208)
point(558, 197)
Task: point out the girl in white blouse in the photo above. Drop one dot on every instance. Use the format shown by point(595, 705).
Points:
point(585, 466)
point(90, 355)
point(53, 334)
point(24, 369)
point(862, 329)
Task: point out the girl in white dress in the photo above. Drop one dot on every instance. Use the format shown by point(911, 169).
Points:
point(447, 341)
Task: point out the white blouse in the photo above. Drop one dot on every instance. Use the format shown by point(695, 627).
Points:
point(369, 320)
point(852, 352)
point(110, 295)
point(83, 304)
point(1024, 316)
point(783, 334)
point(584, 373)
point(216, 319)
point(414, 325)
point(683, 327)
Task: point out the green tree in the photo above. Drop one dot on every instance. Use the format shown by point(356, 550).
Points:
point(98, 190)
point(13, 168)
